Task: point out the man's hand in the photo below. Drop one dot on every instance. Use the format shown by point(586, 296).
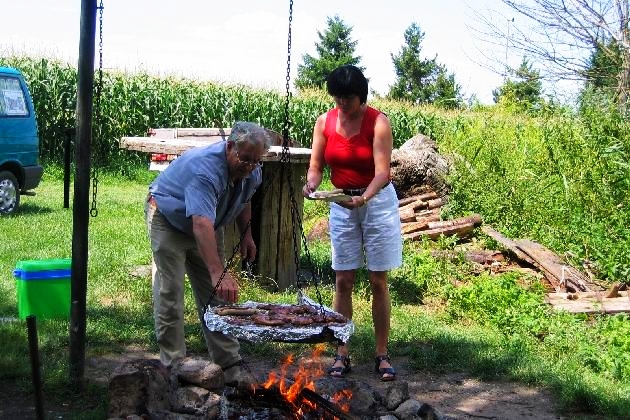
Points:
point(248, 249)
point(228, 289)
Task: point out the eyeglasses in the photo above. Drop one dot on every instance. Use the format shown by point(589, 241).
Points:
point(249, 163)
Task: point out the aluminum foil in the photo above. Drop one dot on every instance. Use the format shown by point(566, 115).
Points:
point(287, 334)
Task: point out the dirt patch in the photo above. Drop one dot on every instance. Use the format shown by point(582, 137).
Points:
point(456, 395)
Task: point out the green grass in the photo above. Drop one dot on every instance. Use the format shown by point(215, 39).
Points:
point(494, 327)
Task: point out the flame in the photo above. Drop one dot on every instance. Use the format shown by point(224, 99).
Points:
point(342, 399)
point(304, 377)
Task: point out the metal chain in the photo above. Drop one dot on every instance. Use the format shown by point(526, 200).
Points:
point(97, 113)
point(287, 121)
point(285, 159)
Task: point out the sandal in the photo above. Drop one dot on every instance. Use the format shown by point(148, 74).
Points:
point(340, 371)
point(390, 371)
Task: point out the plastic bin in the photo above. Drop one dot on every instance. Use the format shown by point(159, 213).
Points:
point(43, 288)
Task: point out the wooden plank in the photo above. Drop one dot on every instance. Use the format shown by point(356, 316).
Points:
point(508, 243)
point(566, 276)
point(590, 302)
point(179, 146)
point(168, 146)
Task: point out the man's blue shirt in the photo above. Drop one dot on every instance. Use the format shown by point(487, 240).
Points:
point(198, 184)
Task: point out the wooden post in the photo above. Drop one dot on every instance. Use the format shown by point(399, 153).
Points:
point(33, 347)
point(273, 224)
point(80, 212)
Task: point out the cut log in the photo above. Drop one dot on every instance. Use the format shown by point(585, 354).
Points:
point(475, 219)
point(433, 204)
point(422, 222)
point(432, 215)
point(408, 212)
point(421, 197)
point(462, 230)
point(409, 227)
point(413, 206)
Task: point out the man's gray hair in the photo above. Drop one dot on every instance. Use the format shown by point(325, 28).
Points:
point(249, 132)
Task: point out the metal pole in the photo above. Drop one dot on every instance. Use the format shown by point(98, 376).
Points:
point(66, 167)
point(80, 215)
point(33, 348)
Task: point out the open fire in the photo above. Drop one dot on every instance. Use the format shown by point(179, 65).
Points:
point(292, 391)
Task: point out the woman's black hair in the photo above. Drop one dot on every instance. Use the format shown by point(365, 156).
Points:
point(347, 80)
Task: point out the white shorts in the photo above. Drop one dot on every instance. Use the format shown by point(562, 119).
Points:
point(367, 236)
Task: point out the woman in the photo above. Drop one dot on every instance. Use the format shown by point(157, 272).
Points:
point(355, 141)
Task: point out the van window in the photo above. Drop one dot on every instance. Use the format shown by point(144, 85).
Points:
point(12, 101)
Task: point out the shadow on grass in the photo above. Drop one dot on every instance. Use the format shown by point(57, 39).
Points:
point(26, 209)
point(499, 362)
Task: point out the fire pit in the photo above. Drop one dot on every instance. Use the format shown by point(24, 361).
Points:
point(194, 388)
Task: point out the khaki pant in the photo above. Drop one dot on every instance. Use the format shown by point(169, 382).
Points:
point(175, 254)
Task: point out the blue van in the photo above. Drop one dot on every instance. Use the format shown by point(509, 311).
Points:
point(20, 171)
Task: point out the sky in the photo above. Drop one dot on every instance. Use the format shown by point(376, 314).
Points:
point(245, 41)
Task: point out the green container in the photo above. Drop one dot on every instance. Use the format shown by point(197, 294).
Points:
point(43, 288)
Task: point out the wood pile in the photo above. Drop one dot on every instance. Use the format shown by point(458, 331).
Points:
point(420, 217)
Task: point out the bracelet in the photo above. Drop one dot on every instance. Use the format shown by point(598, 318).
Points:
point(365, 200)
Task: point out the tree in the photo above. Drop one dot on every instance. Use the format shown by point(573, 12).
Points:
point(335, 48)
point(422, 81)
point(523, 93)
point(605, 66)
point(565, 34)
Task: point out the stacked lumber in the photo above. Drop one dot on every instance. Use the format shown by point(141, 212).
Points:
point(420, 217)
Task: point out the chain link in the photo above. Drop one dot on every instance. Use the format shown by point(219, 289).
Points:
point(97, 114)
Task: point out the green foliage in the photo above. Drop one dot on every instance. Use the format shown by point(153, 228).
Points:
point(559, 179)
point(605, 66)
point(523, 93)
point(422, 81)
point(493, 327)
point(335, 48)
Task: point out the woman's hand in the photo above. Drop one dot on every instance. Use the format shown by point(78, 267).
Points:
point(355, 202)
point(308, 188)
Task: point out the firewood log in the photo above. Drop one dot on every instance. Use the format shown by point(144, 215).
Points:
point(420, 197)
point(460, 230)
point(475, 219)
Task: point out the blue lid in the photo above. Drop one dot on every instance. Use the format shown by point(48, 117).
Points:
point(40, 275)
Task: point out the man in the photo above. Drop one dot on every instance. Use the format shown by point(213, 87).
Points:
point(187, 207)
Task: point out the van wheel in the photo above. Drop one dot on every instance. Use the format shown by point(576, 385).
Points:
point(9, 193)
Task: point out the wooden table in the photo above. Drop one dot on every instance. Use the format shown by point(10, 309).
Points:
point(273, 229)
